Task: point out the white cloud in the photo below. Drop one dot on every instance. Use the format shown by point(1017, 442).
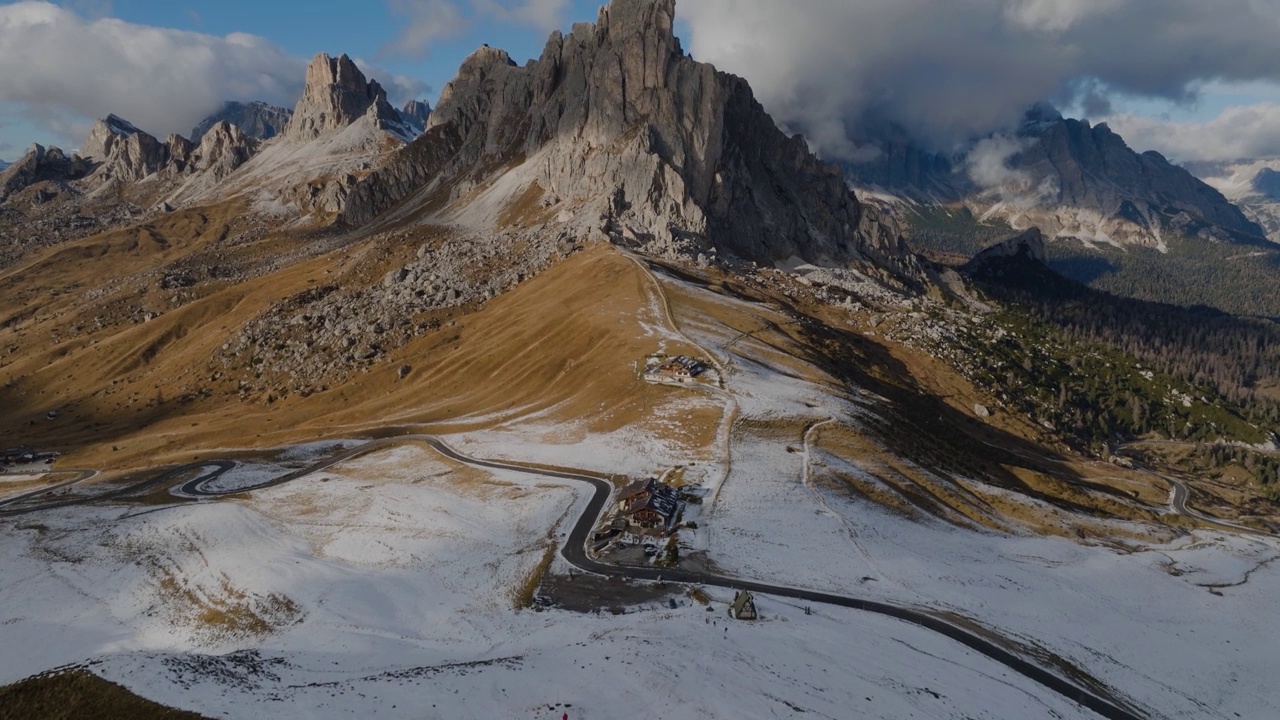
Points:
point(426, 21)
point(400, 88)
point(540, 14)
point(1238, 133)
point(65, 69)
point(988, 163)
point(1056, 15)
point(947, 72)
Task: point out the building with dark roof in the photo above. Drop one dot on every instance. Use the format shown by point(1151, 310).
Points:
point(649, 504)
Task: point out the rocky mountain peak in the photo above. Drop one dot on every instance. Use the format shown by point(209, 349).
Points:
point(104, 134)
point(336, 94)
point(1071, 178)
point(222, 149)
point(416, 113)
point(1026, 246)
point(123, 152)
point(255, 119)
point(653, 148)
point(1267, 183)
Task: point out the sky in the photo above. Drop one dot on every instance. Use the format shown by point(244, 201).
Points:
point(1195, 80)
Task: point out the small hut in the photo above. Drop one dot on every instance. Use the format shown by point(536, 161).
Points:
point(743, 607)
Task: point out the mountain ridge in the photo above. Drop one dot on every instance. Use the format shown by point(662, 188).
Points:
point(594, 120)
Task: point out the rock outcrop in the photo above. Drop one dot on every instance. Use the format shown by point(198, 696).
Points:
point(1267, 184)
point(257, 120)
point(1028, 245)
point(1020, 262)
point(337, 94)
point(222, 149)
point(616, 127)
point(123, 152)
point(42, 165)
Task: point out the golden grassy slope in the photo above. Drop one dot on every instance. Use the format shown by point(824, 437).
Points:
point(562, 345)
point(560, 348)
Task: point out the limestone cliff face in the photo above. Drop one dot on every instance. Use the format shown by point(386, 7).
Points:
point(1092, 167)
point(615, 118)
point(223, 148)
point(124, 153)
point(337, 94)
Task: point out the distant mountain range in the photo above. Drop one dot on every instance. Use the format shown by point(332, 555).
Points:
point(342, 123)
point(1070, 179)
point(1129, 223)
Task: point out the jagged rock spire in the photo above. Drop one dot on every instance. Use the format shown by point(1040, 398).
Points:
point(336, 94)
point(663, 148)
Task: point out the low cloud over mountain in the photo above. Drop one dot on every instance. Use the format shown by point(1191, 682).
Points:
point(947, 72)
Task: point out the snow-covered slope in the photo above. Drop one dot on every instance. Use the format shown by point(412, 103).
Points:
point(1250, 184)
point(385, 587)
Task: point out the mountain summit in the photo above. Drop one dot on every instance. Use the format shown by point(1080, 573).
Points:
point(614, 127)
point(337, 94)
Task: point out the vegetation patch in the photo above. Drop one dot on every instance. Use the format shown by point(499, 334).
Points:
point(524, 592)
point(80, 694)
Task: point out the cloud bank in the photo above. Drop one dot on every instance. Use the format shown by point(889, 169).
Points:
point(63, 68)
point(1239, 133)
point(949, 71)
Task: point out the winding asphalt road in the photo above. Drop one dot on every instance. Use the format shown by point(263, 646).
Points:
point(1178, 501)
point(575, 552)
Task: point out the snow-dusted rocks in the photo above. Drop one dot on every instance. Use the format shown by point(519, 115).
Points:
point(123, 152)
